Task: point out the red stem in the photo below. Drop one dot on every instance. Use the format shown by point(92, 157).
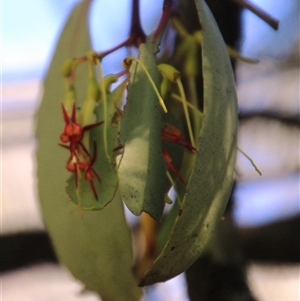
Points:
point(137, 34)
point(167, 8)
point(259, 13)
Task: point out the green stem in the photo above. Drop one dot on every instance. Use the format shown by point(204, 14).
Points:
point(193, 96)
point(251, 161)
point(161, 101)
point(103, 94)
point(192, 107)
point(185, 108)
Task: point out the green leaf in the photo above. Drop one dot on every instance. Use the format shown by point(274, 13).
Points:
point(94, 245)
point(142, 170)
point(105, 167)
point(211, 181)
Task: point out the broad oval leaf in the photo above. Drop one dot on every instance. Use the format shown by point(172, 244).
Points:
point(94, 245)
point(211, 180)
point(142, 170)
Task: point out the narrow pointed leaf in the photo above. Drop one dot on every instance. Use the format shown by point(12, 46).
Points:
point(95, 245)
point(211, 181)
point(142, 170)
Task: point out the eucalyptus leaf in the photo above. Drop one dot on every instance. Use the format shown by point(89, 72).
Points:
point(211, 180)
point(142, 170)
point(96, 245)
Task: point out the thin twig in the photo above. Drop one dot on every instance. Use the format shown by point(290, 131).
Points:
point(274, 23)
point(251, 161)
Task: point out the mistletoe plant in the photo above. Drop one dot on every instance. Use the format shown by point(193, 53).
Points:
point(105, 139)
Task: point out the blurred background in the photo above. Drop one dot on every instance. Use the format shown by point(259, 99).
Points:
point(269, 134)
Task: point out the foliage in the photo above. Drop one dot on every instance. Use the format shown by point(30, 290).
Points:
point(161, 139)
